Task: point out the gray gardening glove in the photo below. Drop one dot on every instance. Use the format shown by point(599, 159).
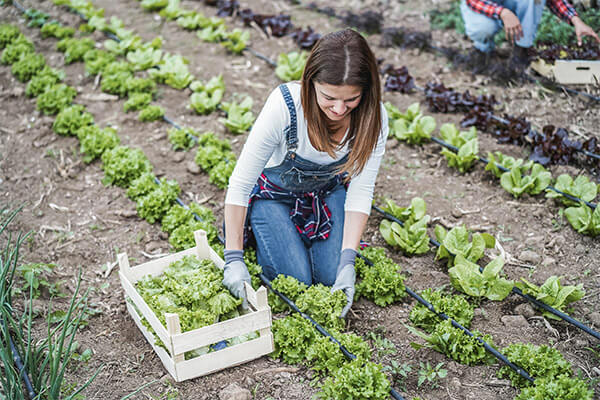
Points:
point(235, 274)
point(346, 278)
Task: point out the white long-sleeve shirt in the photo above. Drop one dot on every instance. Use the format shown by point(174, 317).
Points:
point(266, 147)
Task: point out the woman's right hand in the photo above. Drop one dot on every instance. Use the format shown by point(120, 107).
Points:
point(235, 273)
point(512, 25)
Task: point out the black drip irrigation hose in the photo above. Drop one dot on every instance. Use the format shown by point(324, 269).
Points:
point(20, 366)
point(318, 327)
point(504, 169)
point(515, 289)
point(505, 122)
point(455, 324)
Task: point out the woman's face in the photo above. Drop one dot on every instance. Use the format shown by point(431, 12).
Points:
point(337, 101)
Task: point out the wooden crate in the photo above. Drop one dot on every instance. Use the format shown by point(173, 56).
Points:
point(258, 319)
point(570, 71)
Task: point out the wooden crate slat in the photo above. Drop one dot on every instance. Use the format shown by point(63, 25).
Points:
point(156, 267)
point(211, 334)
point(179, 343)
point(162, 353)
point(147, 313)
point(577, 71)
point(225, 358)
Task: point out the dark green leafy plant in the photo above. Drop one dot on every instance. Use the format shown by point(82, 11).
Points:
point(292, 336)
point(454, 343)
point(584, 220)
point(142, 185)
point(541, 362)
point(356, 380)
point(431, 374)
point(466, 277)
point(235, 41)
point(35, 277)
point(322, 305)
point(454, 306)
point(288, 286)
point(55, 99)
point(456, 241)
point(290, 66)
point(517, 182)
point(8, 33)
point(75, 49)
point(151, 113)
point(580, 187)
point(95, 141)
point(325, 357)
point(382, 283)
point(559, 388)
point(71, 119)
point(497, 158)
point(412, 237)
point(412, 127)
point(239, 116)
point(173, 71)
point(44, 79)
point(154, 205)
point(56, 30)
point(144, 58)
point(114, 78)
point(553, 293)
point(467, 143)
point(123, 164)
point(137, 101)
point(140, 85)
point(96, 61)
point(175, 217)
point(27, 66)
point(15, 50)
point(181, 139)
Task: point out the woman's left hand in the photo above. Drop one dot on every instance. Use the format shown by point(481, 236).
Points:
point(346, 278)
point(582, 29)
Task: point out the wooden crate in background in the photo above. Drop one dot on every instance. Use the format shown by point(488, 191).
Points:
point(257, 320)
point(583, 72)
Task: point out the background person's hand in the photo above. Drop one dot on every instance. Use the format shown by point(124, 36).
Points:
point(235, 273)
point(512, 25)
point(346, 278)
point(582, 29)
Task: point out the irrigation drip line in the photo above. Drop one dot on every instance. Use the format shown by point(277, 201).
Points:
point(506, 122)
point(317, 326)
point(455, 324)
point(515, 289)
point(19, 364)
point(504, 169)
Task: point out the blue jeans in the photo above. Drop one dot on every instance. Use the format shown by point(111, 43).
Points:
point(481, 28)
point(280, 250)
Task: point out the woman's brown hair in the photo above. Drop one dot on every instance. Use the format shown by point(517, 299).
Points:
point(344, 58)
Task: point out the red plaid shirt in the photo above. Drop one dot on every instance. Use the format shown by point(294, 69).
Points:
point(560, 8)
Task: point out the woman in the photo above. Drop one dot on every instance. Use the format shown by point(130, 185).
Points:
point(304, 180)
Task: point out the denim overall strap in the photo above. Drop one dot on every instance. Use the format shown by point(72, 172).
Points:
point(291, 131)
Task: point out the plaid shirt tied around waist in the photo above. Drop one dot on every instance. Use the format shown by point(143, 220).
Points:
point(560, 8)
point(309, 213)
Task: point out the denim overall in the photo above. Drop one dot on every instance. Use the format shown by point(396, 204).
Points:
point(280, 247)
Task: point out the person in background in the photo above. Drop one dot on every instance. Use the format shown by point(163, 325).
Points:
point(520, 20)
point(304, 181)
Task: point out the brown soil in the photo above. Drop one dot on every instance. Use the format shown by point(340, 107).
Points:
point(79, 224)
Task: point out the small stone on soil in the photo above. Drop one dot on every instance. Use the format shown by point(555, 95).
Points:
point(531, 257)
point(153, 246)
point(178, 157)
point(548, 261)
point(595, 318)
point(525, 310)
point(514, 321)
point(192, 167)
point(235, 392)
